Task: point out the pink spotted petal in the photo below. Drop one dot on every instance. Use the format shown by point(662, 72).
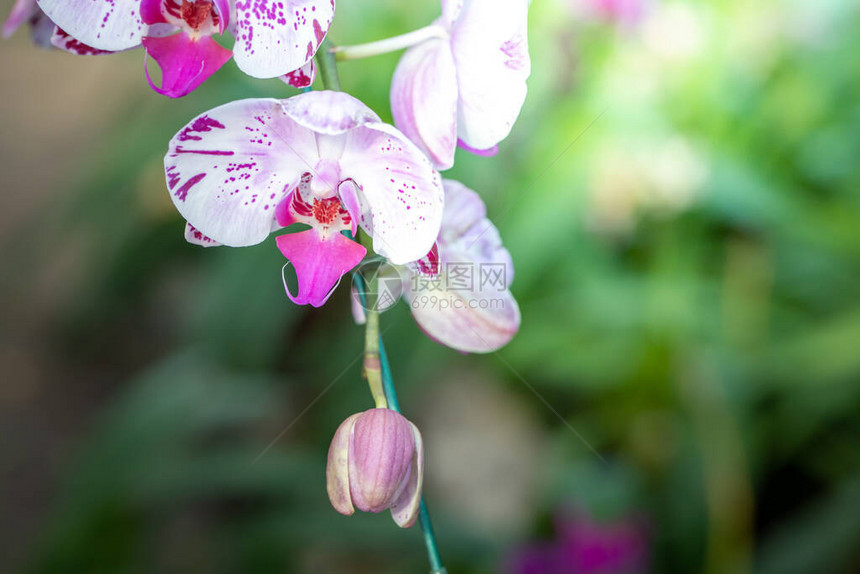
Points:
point(185, 62)
point(337, 468)
point(400, 197)
point(194, 237)
point(275, 37)
point(424, 100)
point(302, 77)
point(229, 168)
point(492, 67)
point(320, 259)
point(111, 25)
point(451, 11)
point(21, 12)
point(405, 509)
point(60, 39)
point(474, 310)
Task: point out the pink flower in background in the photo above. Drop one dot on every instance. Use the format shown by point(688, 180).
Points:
point(273, 38)
point(468, 86)
point(459, 293)
point(376, 463)
point(622, 12)
point(323, 159)
point(585, 546)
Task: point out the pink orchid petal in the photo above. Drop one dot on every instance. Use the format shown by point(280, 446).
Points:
point(492, 67)
point(405, 509)
point(401, 196)
point(479, 315)
point(229, 168)
point(151, 11)
point(223, 8)
point(321, 258)
point(194, 237)
point(424, 100)
point(60, 39)
point(21, 12)
point(111, 25)
point(185, 62)
point(337, 467)
point(274, 38)
point(302, 77)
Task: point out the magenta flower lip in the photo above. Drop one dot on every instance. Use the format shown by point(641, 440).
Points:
point(376, 463)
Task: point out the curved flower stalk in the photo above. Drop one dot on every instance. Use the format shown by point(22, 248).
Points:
point(273, 39)
point(376, 463)
point(459, 293)
point(467, 87)
point(323, 159)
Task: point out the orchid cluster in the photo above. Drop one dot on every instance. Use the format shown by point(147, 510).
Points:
point(347, 187)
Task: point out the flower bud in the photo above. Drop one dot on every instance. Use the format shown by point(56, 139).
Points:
point(376, 462)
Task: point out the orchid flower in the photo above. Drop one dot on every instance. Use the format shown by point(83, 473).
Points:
point(459, 292)
point(273, 39)
point(466, 87)
point(323, 159)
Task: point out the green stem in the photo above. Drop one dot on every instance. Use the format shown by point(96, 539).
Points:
point(390, 44)
point(328, 66)
point(393, 404)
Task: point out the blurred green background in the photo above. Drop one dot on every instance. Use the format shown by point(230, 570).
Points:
point(681, 197)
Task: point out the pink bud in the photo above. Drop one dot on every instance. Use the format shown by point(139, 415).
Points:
point(376, 462)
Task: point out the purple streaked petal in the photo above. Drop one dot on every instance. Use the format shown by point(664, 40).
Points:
point(302, 77)
point(229, 168)
point(111, 25)
point(400, 196)
point(185, 62)
point(194, 237)
point(60, 39)
point(424, 100)
point(492, 67)
point(405, 509)
point(274, 38)
point(321, 257)
point(337, 467)
point(451, 11)
point(22, 11)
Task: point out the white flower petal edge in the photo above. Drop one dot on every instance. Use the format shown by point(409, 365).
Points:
point(118, 27)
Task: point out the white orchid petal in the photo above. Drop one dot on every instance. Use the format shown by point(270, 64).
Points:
point(274, 38)
point(228, 169)
point(492, 67)
point(111, 25)
point(424, 99)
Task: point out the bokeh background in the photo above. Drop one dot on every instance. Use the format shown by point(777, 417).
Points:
point(681, 197)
